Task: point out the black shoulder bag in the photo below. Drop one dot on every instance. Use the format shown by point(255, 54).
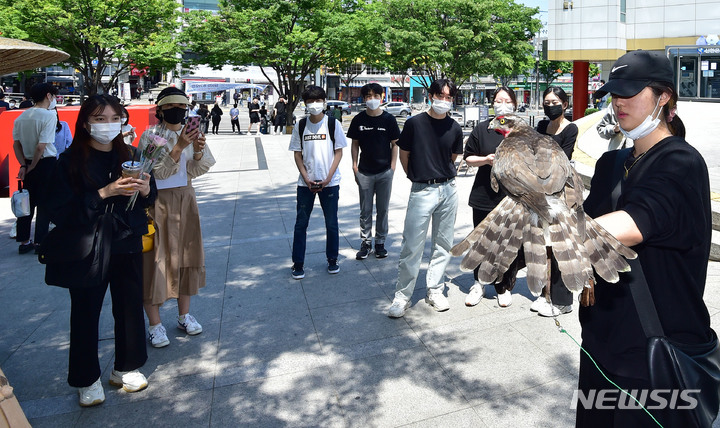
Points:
point(674, 365)
point(78, 257)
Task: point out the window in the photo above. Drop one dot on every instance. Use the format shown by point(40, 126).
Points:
point(623, 10)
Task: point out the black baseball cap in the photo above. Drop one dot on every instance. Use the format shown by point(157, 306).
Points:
point(633, 71)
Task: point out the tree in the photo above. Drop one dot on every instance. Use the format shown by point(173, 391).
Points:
point(101, 33)
point(287, 37)
point(551, 70)
point(456, 39)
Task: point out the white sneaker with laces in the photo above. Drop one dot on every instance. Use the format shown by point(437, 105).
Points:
point(189, 324)
point(91, 395)
point(554, 310)
point(130, 381)
point(158, 336)
point(538, 304)
point(437, 300)
point(504, 299)
point(398, 308)
point(477, 292)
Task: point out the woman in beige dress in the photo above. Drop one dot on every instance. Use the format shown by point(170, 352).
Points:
point(175, 268)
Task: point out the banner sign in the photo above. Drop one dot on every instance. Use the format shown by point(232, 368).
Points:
point(196, 86)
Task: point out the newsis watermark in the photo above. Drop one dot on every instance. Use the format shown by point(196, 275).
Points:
point(651, 399)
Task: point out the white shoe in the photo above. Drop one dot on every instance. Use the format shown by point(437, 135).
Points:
point(158, 336)
point(398, 308)
point(131, 381)
point(538, 304)
point(91, 395)
point(504, 299)
point(437, 300)
point(189, 324)
point(554, 310)
point(477, 292)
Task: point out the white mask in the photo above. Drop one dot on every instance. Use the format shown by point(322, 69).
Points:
point(373, 103)
point(646, 127)
point(316, 108)
point(502, 109)
point(104, 133)
point(53, 104)
point(441, 106)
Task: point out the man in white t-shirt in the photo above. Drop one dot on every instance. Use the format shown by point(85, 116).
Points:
point(317, 144)
point(34, 146)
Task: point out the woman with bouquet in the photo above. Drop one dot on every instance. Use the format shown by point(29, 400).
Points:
point(175, 268)
point(88, 183)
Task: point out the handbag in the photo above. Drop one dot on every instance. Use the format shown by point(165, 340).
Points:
point(148, 239)
point(20, 201)
point(678, 366)
point(78, 256)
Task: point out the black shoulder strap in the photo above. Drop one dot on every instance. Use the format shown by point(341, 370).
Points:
point(617, 176)
point(301, 130)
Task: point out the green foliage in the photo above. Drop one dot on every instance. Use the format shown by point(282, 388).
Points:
point(456, 38)
point(109, 31)
point(551, 70)
point(589, 111)
point(290, 37)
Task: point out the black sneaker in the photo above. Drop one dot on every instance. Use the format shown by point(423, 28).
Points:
point(333, 267)
point(297, 271)
point(365, 250)
point(380, 251)
point(26, 248)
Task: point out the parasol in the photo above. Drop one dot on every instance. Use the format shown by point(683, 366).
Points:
point(19, 55)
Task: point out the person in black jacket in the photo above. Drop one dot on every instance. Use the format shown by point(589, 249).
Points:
point(86, 184)
point(215, 114)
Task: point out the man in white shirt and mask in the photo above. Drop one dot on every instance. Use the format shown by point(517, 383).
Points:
point(33, 143)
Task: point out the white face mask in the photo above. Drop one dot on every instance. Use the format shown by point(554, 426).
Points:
point(53, 104)
point(316, 108)
point(373, 103)
point(646, 127)
point(104, 133)
point(441, 106)
point(502, 109)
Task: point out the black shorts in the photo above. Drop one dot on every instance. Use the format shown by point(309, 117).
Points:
point(254, 118)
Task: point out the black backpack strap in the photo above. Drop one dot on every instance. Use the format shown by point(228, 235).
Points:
point(301, 130)
point(331, 129)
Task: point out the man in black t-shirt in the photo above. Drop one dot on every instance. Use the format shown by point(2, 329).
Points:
point(373, 133)
point(254, 111)
point(429, 145)
point(279, 116)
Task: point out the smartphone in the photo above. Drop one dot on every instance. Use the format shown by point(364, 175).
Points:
point(316, 186)
point(193, 122)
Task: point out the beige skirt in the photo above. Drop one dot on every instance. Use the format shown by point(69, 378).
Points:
point(176, 265)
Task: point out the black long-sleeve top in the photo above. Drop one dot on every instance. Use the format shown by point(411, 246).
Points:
point(70, 206)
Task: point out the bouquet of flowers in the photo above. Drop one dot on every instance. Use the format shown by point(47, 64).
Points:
point(149, 156)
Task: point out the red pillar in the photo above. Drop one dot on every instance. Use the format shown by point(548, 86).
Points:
point(580, 88)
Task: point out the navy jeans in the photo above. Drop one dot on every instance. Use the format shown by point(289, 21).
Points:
point(329, 203)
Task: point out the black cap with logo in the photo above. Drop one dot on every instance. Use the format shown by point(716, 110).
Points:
point(633, 71)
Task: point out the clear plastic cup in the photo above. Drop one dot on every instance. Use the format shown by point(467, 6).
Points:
point(131, 169)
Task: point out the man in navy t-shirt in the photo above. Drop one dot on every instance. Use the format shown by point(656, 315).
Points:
point(429, 144)
point(373, 133)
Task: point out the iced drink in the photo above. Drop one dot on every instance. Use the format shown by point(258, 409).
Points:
point(131, 169)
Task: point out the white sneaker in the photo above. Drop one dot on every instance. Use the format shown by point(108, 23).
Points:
point(132, 381)
point(158, 336)
point(189, 324)
point(539, 303)
point(554, 310)
point(91, 395)
point(504, 299)
point(398, 308)
point(477, 291)
point(437, 300)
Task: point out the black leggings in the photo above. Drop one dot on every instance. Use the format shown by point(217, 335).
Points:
point(125, 279)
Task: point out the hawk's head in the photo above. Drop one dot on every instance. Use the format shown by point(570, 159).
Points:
point(507, 124)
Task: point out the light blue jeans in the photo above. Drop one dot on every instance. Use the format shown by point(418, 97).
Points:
point(436, 203)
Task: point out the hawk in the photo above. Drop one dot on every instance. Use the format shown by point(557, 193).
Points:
point(542, 214)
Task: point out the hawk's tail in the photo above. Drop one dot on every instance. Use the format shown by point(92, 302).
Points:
point(605, 252)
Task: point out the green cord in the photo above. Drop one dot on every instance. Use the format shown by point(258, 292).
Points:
point(562, 330)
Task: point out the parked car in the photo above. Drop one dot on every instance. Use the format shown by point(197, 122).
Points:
point(458, 117)
point(397, 108)
point(345, 107)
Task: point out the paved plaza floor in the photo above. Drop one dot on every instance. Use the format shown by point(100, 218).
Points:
point(313, 352)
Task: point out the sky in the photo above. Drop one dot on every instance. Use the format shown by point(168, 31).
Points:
point(542, 4)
